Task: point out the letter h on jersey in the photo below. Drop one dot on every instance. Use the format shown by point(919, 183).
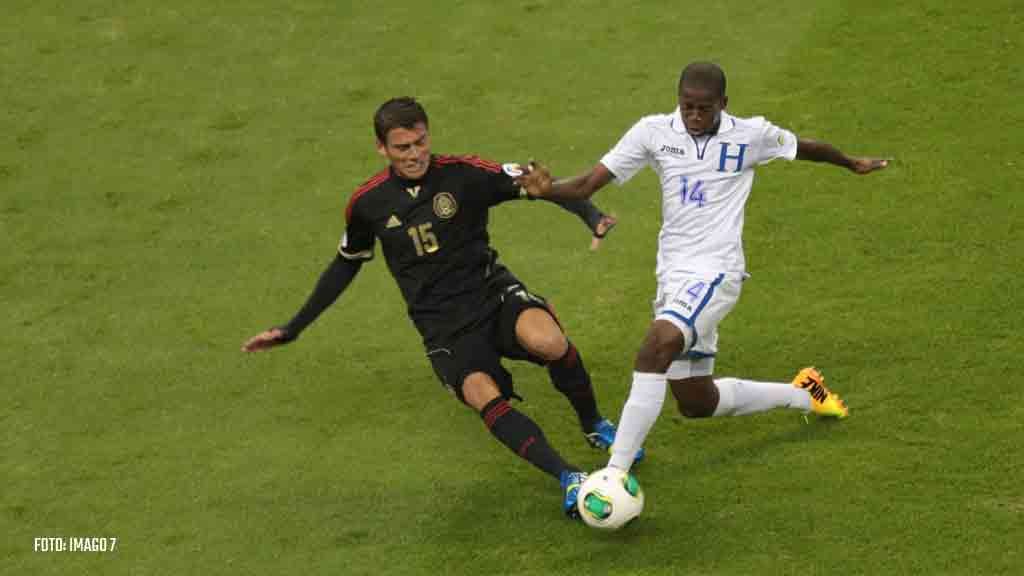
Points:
point(725, 156)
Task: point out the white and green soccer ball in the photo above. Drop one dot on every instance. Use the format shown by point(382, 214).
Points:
point(610, 498)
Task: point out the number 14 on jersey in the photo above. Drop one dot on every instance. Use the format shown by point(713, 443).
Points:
point(691, 194)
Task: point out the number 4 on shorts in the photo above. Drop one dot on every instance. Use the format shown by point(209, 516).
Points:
point(696, 290)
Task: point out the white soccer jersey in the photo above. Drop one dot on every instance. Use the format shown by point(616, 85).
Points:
point(705, 182)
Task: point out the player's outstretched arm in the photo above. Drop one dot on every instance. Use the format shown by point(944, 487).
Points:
point(539, 183)
point(266, 339)
point(596, 221)
point(338, 275)
point(816, 151)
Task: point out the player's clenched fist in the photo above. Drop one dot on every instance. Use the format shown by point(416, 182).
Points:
point(536, 180)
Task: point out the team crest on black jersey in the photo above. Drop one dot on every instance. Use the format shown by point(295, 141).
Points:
point(445, 206)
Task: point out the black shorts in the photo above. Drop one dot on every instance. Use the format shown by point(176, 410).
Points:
point(481, 348)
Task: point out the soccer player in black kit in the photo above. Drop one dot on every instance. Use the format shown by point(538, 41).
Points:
point(429, 213)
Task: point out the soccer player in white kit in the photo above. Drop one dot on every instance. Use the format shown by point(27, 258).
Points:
point(705, 159)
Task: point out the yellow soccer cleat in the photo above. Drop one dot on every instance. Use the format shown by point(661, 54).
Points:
point(823, 401)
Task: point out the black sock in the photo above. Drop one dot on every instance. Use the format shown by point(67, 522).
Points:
point(522, 435)
point(570, 378)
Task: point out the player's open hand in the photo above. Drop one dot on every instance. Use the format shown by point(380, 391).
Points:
point(866, 165)
point(536, 180)
point(266, 339)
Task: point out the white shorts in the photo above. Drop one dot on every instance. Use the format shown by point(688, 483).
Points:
point(696, 304)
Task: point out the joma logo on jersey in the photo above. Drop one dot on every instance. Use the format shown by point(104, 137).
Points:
point(673, 150)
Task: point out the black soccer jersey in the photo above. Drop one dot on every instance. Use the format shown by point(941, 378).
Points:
point(433, 232)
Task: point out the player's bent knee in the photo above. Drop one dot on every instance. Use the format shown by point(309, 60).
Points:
point(549, 347)
point(540, 335)
point(661, 345)
point(696, 397)
point(478, 389)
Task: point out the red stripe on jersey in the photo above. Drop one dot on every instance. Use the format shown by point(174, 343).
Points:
point(471, 160)
point(370, 184)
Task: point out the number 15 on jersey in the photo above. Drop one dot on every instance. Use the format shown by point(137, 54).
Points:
point(423, 239)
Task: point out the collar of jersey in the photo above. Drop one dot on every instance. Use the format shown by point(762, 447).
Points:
point(727, 123)
point(405, 181)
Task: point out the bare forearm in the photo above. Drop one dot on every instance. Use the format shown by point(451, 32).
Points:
point(582, 186)
point(539, 183)
point(816, 151)
point(575, 188)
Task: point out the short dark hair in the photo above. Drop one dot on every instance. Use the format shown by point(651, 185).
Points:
point(401, 112)
point(706, 75)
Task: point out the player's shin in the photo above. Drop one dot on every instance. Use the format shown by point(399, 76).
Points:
point(738, 397)
point(646, 396)
point(523, 436)
point(570, 377)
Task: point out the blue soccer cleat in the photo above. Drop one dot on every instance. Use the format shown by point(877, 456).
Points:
point(571, 482)
point(603, 437)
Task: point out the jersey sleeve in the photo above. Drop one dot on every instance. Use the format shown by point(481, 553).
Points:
point(357, 240)
point(497, 179)
point(775, 142)
point(630, 154)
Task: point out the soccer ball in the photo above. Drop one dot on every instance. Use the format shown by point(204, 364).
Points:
point(610, 498)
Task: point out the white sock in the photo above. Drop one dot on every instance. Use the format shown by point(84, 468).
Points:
point(737, 397)
point(646, 395)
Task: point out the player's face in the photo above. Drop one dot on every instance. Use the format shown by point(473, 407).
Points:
point(701, 108)
point(407, 150)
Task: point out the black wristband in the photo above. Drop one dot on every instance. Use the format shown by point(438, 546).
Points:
point(287, 335)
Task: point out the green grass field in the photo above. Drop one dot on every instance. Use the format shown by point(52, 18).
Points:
point(173, 178)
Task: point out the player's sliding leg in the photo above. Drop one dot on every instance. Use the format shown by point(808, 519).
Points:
point(570, 377)
point(539, 334)
point(521, 435)
point(702, 396)
point(510, 426)
point(571, 482)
